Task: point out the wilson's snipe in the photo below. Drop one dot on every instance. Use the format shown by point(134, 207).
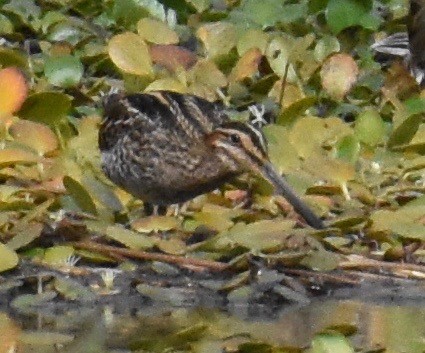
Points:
point(167, 148)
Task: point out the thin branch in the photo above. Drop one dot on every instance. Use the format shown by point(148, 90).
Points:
point(147, 256)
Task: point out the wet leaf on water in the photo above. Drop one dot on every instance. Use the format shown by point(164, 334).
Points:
point(46, 107)
point(11, 99)
point(58, 255)
point(43, 339)
point(173, 246)
point(331, 343)
point(216, 217)
point(25, 235)
point(259, 236)
point(8, 258)
point(190, 334)
point(407, 222)
point(26, 301)
point(174, 296)
point(370, 128)
point(321, 260)
point(35, 135)
point(255, 347)
point(130, 239)
point(73, 290)
point(218, 38)
point(338, 74)
point(80, 195)
point(129, 52)
point(236, 282)
point(172, 57)
point(64, 71)
point(157, 32)
point(155, 224)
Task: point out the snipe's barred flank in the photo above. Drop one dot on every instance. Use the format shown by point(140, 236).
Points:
point(166, 148)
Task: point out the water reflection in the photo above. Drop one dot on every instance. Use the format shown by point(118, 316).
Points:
point(397, 328)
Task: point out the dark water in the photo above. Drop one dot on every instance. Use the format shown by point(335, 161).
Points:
point(371, 323)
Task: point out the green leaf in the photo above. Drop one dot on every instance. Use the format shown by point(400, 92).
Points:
point(348, 148)
point(258, 236)
point(331, 343)
point(405, 131)
point(80, 195)
point(156, 32)
point(10, 57)
point(129, 238)
point(370, 128)
point(130, 54)
point(342, 14)
point(46, 107)
point(58, 255)
point(8, 258)
point(297, 108)
point(64, 71)
point(325, 47)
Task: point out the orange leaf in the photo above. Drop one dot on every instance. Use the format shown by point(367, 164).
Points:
point(172, 56)
point(12, 98)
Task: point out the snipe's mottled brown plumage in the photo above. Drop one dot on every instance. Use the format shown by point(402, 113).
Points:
point(167, 148)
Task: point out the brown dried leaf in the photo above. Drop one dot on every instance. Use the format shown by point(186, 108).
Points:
point(172, 57)
point(338, 74)
point(35, 135)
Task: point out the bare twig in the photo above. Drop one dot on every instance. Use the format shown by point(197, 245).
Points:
point(359, 262)
point(147, 256)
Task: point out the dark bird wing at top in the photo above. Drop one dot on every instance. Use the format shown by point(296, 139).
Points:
point(185, 115)
point(409, 46)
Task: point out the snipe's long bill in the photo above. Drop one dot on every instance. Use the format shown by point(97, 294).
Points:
point(166, 148)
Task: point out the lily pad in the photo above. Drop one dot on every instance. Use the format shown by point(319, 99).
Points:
point(35, 135)
point(130, 53)
point(157, 32)
point(80, 195)
point(370, 128)
point(218, 38)
point(130, 238)
point(338, 74)
point(46, 107)
point(64, 71)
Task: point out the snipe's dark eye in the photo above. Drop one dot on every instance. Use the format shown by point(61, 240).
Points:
point(234, 138)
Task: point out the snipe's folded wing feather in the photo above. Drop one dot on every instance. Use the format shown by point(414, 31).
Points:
point(182, 115)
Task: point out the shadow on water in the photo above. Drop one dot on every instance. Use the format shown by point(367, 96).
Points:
point(374, 320)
